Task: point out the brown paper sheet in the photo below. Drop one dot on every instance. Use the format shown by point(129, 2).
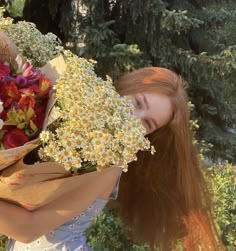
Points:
point(32, 186)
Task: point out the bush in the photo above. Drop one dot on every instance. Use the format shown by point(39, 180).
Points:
point(223, 185)
point(107, 233)
point(2, 243)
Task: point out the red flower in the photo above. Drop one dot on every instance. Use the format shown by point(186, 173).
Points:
point(8, 128)
point(40, 111)
point(9, 92)
point(14, 138)
point(4, 70)
point(27, 99)
point(3, 115)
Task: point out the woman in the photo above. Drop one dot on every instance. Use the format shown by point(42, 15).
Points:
point(162, 197)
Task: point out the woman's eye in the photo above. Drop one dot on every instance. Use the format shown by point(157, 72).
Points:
point(148, 124)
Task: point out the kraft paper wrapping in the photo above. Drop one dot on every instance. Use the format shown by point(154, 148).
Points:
point(32, 186)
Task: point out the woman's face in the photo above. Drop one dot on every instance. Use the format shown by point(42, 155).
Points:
point(154, 110)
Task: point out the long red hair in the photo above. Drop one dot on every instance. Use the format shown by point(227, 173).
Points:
point(164, 197)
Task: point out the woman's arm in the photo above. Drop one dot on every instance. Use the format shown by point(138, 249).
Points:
point(25, 226)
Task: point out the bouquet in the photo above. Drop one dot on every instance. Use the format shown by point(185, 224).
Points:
point(87, 126)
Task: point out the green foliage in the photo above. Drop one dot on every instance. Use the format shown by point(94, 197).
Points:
point(16, 7)
point(223, 184)
point(101, 43)
point(178, 21)
point(107, 233)
point(2, 243)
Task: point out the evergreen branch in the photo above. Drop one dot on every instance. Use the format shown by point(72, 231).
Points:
point(178, 21)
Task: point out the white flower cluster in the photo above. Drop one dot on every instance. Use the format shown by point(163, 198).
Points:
point(95, 125)
point(35, 46)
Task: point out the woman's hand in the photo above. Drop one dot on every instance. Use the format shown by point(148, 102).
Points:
point(25, 226)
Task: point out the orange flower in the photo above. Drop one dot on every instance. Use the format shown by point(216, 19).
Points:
point(44, 86)
point(27, 99)
point(9, 92)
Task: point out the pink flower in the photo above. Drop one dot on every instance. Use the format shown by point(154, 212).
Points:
point(4, 69)
point(27, 70)
point(29, 76)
